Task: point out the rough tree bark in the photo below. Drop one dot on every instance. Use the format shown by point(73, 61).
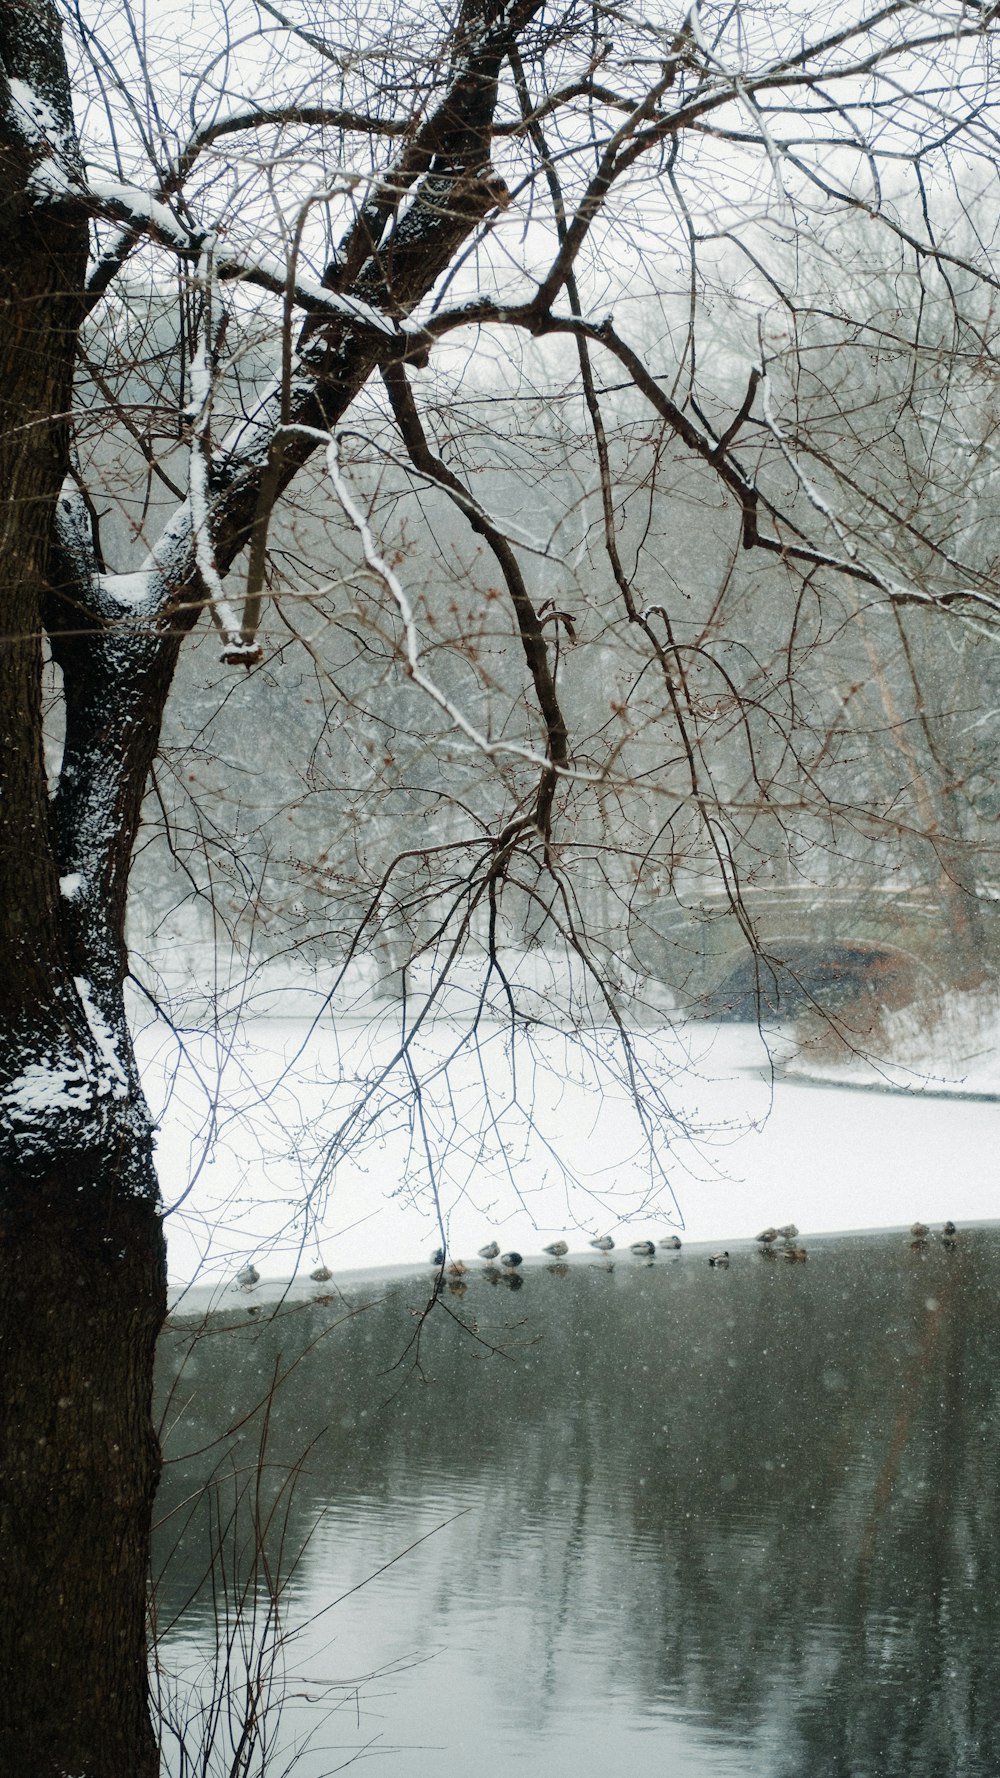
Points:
point(82, 1281)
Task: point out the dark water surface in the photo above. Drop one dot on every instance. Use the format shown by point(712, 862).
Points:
point(674, 1520)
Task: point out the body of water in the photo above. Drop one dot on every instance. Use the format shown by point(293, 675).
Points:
point(645, 1518)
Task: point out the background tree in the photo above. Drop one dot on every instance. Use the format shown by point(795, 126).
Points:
point(307, 215)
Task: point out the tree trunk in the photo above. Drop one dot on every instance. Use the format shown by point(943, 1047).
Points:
point(82, 1266)
point(82, 1299)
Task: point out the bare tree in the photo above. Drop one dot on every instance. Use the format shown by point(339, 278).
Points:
point(386, 198)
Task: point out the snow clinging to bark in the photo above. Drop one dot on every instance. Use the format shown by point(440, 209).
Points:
point(35, 118)
point(58, 171)
point(115, 1079)
point(43, 1088)
point(139, 593)
point(76, 1082)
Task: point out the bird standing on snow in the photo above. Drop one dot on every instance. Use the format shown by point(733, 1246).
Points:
point(511, 1261)
point(603, 1243)
point(557, 1249)
point(490, 1251)
point(643, 1249)
point(672, 1242)
point(248, 1277)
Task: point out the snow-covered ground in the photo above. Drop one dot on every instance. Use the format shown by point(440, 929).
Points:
point(248, 1115)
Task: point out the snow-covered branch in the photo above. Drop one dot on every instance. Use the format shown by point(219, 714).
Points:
point(142, 213)
point(483, 743)
point(224, 617)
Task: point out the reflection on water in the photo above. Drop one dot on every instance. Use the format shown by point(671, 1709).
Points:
point(673, 1519)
